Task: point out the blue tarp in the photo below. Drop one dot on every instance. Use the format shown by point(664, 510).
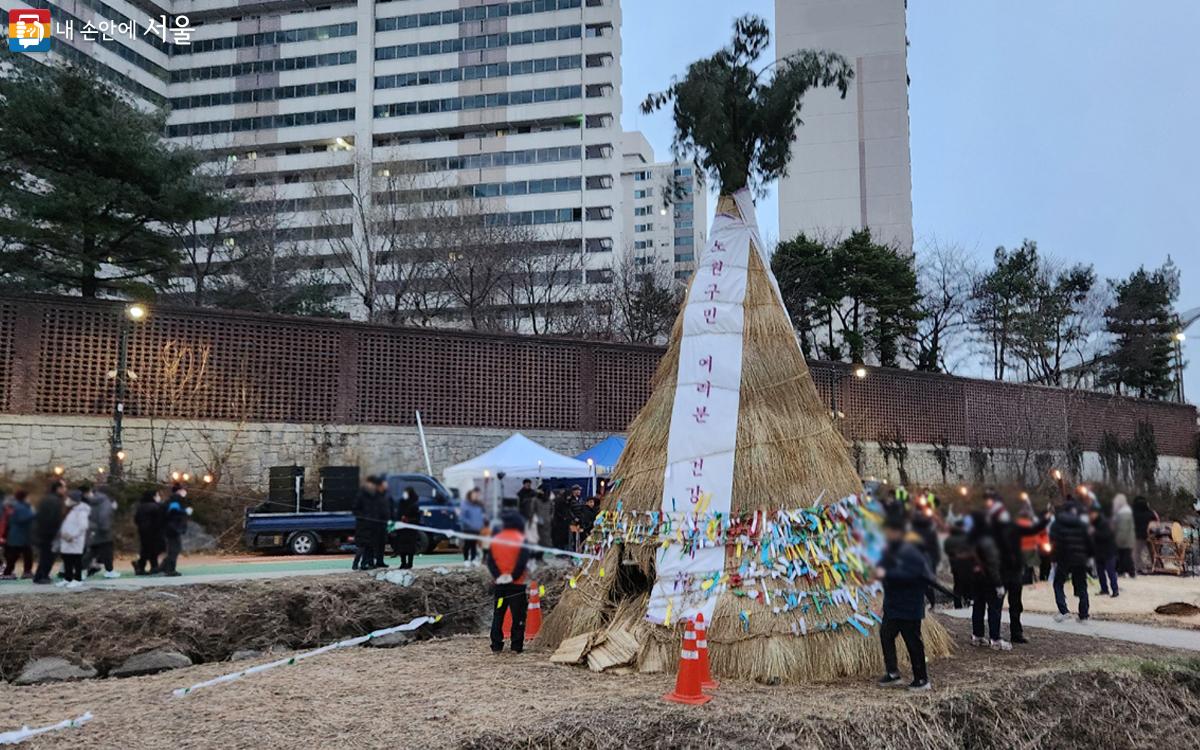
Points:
point(604, 454)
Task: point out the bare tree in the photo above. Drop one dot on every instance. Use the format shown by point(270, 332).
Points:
point(386, 228)
point(269, 270)
point(204, 242)
point(645, 298)
point(544, 280)
point(945, 275)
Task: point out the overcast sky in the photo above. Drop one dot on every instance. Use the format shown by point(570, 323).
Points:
point(1076, 125)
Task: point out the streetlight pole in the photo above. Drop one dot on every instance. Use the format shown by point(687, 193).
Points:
point(860, 371)
point(1179, 338)
point(116, 453)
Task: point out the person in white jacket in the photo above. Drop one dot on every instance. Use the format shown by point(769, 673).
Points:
point(72, 541)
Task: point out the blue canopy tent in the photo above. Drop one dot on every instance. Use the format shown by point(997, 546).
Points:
point(604, 455)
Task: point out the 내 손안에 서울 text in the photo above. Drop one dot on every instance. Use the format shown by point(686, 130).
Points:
point(29, 29)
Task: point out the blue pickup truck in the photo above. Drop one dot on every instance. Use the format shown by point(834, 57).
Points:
point(309, 532)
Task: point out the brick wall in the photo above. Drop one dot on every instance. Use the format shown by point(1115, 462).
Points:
point(57, 356)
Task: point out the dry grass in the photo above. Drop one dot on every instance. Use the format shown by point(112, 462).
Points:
point(208, 622)
point(788, 454)
point(450, 693)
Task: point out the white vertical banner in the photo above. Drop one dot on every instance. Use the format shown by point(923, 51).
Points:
point(704, 418)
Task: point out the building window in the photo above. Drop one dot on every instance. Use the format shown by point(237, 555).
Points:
point(683, 224)
point(210, 72)
point(644, 227)
point(266, 38)
point(643, 193)
point(478, 72)
point(684, 257)
point(642, 211)
point(485, 41)
point(263, 95)
point(683, 172)
point(683, 241)
point(265, 122)
point(477, 101)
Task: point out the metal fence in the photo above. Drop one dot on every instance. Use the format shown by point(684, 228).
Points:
point(58, 356)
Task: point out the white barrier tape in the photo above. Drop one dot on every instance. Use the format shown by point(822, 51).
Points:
point(24, 733)
point(412, 625)
point(490, 539)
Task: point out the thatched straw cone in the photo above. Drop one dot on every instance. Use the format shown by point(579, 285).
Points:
point(788, 454)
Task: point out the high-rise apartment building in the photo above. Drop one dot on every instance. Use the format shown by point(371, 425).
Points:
point(664, 208)
point(850, 162)
point(516, 104)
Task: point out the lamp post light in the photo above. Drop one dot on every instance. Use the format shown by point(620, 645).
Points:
point(134, 313)
point(859, 371)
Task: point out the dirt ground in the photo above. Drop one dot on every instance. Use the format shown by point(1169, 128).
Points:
point(1139, 597)
point(454, 693)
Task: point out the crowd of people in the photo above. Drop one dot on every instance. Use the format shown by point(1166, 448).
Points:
point(993, 555)
point(75, 527)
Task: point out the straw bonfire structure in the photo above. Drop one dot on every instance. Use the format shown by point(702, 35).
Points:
point(774, 546)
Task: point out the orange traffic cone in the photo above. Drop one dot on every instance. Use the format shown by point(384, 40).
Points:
point(533, 621)
point(687, 682)
point(706, 680)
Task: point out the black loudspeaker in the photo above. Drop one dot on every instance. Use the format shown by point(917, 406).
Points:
point(339, 485)
point(285, 489)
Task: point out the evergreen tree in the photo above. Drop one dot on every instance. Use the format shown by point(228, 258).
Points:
point(88, 183)
point(737, 124)
point(1141, 321)
point(862, 292)
point(804, 269)
point(1000, 298)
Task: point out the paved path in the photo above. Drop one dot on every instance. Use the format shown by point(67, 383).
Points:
point(257, 568)
point(1120, 631)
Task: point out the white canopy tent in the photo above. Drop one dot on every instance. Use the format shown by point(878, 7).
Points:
point(517, 458)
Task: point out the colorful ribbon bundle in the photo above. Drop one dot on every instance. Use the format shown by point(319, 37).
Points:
point(812, 564)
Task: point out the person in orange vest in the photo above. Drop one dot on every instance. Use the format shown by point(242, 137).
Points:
point(1031, 544)
point(506, 561)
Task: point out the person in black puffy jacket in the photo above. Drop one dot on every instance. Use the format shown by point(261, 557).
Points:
point(1008, 535)
point(987, 583)
point(1104, 552)
point(904, 571)
point(1071, 544)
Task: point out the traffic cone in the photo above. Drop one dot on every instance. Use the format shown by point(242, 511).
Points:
point(533, 621)
point(687, 681)
point(706, 680)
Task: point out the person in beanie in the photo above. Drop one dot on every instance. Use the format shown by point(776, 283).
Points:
point(46, 523)
point(904, 571)
point(18, 536)
point(1009, 537)
point(148, 518)
point(1072, 548)
point(175, 520)
point(987, 583)
point(506, 562)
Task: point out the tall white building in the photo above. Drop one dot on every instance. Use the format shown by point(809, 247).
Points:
point(664, 208)
point(850, 165)
point(516, 103)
